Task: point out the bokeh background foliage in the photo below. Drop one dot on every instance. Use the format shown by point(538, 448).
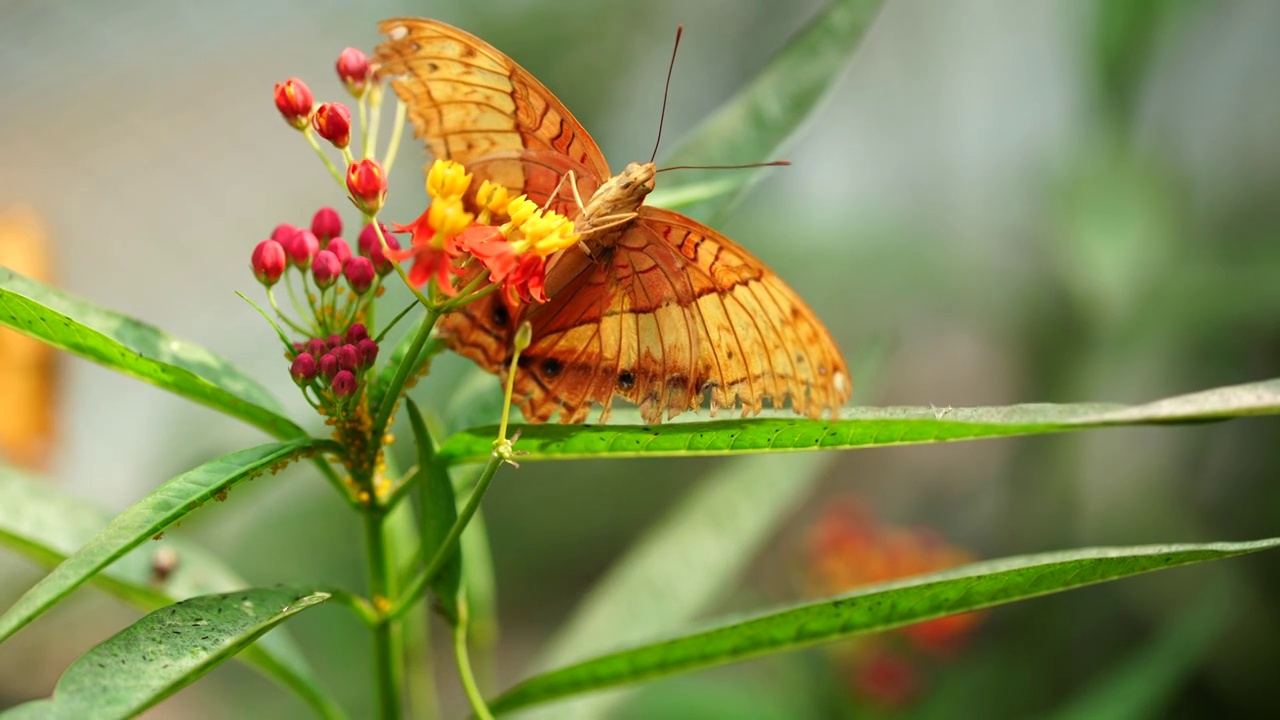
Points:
point(999, 202)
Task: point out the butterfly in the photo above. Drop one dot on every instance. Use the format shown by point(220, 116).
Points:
point(650, 306)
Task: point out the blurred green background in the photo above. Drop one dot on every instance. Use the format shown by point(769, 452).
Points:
point(1001, 201)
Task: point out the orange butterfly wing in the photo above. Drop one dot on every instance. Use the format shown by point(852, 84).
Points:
point(662, 315)
point(473, 104)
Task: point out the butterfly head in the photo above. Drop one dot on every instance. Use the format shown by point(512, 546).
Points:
point(618, 198)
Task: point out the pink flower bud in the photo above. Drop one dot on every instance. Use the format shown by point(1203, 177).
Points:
point(316, 347)
point(303, 369)
point(344, 384)
point(367, 183)
point(353, 70)
point(368, 239)
point(339, 247)
point(328, 366)
point(268, 262)
point(348, 357)
point(360, 273)
point(379, 258)
point(357, 332)
point(326, 224)
point(332, 122)
point(302, 248)
point(335, 341)
point(294, 100)
point(325, 269)
point(368, 352)
point(282, 233)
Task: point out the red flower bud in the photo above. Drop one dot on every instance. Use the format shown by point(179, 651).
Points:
point(367, 184)
point(303, 369)
point(325, 269)
point(368, 352)
point(339, 247)
point(283, 232)
point(316, 347)
point(344, 384)
point(302, 248)
point(328, 366)
point(379, 258)
point(293, 100)
point(268, 262)
point(357, 332)
point(332, 122)
point(353, 70)
point(335, 341)
point(326, 224)
point(360, 273)
point(348, 357)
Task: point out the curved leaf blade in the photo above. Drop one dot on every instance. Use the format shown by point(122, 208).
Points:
point(859, 427)
point(167, 504)
point(166, 651)
point(47, 526)
point(872, 609)
point(138, 349)
point(759, 119)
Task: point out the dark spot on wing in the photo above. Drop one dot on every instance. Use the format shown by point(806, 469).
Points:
point(551, 367)
point(626, 380)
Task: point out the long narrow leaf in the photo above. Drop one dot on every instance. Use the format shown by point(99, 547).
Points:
point(135, 348)
point(47, 526)
point(859, 427)
point(147, 518)
point(872, 609)
point(165, 651)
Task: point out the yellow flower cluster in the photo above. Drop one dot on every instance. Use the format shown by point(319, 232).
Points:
point(447, 182)
point(542, 232)
point(528, 228)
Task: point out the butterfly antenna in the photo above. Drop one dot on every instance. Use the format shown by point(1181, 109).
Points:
point(666, 91)
point(771, 163)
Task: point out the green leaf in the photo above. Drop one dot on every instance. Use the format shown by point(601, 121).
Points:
point(685, 564)
point(165, 651)
point(859, 427)
point(871, 609)
point(135, 348)
point(439, 513)
point(47, 526)
point(758, 120)
point(147, 518)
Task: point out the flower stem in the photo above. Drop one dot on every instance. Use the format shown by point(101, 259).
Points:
point(464, 665)
point(397, 130)
point(392, 394)
point(419, 583)
point(333, 169)
point(374, 95)
point(385, 653)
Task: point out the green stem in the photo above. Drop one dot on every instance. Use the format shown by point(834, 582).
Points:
point(464, 665)
point(393, 322)
point(363, 107)
point(392, 394)
point(374, 95)
point(419, 584)
point(397, 129)
point(333, 169)
point(386, 659)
